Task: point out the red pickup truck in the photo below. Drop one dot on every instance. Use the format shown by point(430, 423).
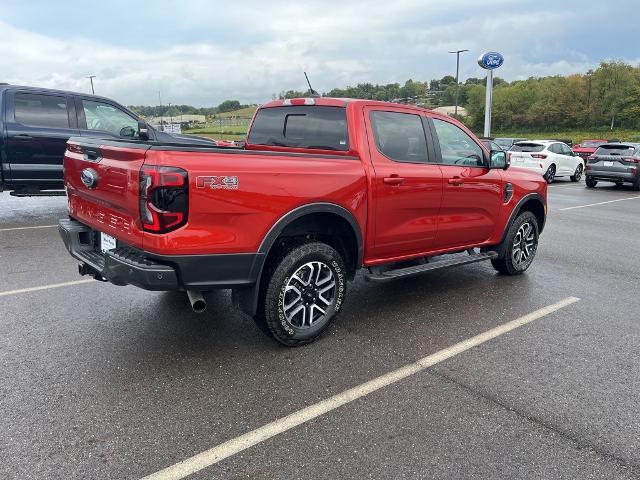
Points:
point(322, 188)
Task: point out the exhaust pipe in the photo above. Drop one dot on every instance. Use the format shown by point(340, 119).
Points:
point(197, 301)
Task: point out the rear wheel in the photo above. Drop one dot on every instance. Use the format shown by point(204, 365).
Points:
point(577, 175)
point(550, 174)
point(301, 293)
point(636, 186)
point(591, 183)
point(521, 244)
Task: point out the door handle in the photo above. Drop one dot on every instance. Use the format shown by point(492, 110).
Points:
point(393, 180)
point(22, 136)
point(456, 181)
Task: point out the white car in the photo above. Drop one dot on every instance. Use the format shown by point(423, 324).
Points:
point(548, 157)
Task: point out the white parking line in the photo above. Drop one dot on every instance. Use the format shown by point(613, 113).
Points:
point(46, 287)
point(281, 425)
point(26, 228)
point(599, 203)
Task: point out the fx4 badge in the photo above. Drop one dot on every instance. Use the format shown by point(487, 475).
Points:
point(216, 182)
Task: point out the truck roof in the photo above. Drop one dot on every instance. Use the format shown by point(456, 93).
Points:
point(7, 86)
point(337, 102)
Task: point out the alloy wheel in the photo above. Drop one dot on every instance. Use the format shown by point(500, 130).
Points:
point(524, 244)
point(308, 294)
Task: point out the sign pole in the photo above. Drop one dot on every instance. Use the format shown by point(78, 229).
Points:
point(487, 104)
point(489, 61)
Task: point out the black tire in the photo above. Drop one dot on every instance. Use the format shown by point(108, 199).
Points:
point(636, 186)
point(591, 183)
point(577, 175)
point(550, 174)
point(513, 263)
point(283, 281)
point(618, 184)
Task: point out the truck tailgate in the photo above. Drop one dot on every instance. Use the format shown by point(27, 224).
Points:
point(102, 181)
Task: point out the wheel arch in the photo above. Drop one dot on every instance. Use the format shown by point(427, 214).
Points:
point(326, 221)
point(532, 202)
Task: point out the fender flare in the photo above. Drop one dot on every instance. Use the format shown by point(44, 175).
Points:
point(514, 214)
point(246, 299)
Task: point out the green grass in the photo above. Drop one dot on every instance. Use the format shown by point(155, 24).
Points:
point(576, 136)
point(243, 112)
point(220, 132)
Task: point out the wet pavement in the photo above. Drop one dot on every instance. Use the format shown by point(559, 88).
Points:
point(99, 381)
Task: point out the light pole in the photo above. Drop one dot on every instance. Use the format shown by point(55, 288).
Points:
point(91, 77)
point(457, 52)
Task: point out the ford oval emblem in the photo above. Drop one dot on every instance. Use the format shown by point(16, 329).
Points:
point(491, 60)
point(89, 177)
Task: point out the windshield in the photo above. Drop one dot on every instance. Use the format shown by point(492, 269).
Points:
point(615, 150)
point(527, 147)
point(504, 142)
point(302, 126)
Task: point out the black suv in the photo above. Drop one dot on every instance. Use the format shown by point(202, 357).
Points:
point(614, 162)
point(35, 124)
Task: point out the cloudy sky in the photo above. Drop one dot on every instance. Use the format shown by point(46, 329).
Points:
point(202, 52)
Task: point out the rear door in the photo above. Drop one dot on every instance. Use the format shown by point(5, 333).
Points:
point(472, 193)
point(38, 127)
point(407, 183)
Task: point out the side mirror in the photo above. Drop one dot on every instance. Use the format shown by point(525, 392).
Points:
point(127, 132)
point(143, 130)
point(499, 159)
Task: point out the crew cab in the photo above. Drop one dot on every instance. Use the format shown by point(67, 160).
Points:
point(35, 124)
point(322, 188)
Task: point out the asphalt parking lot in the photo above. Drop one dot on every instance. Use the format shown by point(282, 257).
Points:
point(99, 381)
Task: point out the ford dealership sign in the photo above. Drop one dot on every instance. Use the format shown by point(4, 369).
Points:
point(491, 60)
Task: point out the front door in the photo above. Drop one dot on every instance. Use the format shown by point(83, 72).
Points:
point(407, 184)
point(472, 193)
point(38, 127)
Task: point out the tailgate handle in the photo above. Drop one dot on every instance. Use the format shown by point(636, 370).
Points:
point(92, 154)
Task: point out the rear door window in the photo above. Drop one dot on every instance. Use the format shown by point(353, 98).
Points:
point(400, 136)
point(301, 126)
point(615, 150)
point(41, 110)
point(527, 147)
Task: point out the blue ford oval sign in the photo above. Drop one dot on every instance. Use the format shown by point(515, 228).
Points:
point(491, 60)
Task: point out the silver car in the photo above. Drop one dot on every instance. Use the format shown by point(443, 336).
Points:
point(615, 162)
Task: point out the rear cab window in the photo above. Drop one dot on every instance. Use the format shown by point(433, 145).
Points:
point(301, 126)
point(399, 136)
point(527, 147)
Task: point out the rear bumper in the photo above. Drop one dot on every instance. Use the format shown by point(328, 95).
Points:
point(129, 266)
point(609, 176)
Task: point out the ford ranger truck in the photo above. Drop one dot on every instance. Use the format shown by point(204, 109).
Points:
point(322, 188)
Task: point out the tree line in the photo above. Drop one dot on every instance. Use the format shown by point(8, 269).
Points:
point(608, 96)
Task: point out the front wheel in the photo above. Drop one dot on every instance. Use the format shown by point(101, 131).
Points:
point(591, 183)
point(550, 173)
point(302, 292)
point(577, 175)
point(521, 245)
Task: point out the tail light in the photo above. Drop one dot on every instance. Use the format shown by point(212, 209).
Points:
point(591, 158)
point(538, 155)
point(164, 198)
point(631, 159)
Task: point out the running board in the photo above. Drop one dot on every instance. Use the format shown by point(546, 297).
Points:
point(429, 267)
